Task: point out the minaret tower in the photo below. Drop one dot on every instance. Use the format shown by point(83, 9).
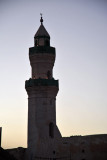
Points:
point(42, 90)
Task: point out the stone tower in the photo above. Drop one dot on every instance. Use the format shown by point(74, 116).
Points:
point(42, 90)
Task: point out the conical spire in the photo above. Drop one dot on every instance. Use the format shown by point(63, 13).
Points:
point(42, 32)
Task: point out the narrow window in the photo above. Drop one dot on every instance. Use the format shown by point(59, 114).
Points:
point(36, 43)
point(49, 75)
point(51, 130)
point(47, 43)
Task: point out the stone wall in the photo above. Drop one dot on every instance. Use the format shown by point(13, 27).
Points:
point(18, 153)
point(92, 147)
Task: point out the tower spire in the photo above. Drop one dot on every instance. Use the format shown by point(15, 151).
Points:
point(41, 20)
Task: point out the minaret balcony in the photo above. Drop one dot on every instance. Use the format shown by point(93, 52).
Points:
point(41, 82)
point(41, 49)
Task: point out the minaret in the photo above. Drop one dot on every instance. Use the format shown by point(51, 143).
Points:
point(42, 90)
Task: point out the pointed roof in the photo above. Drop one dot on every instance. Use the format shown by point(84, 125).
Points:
point(42, 31)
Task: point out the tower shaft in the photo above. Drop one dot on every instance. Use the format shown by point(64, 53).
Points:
point(42, 90)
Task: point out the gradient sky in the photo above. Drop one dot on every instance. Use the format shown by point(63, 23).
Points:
point(78, 30)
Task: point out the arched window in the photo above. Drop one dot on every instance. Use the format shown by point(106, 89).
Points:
point(51, 130)
point(47, 42)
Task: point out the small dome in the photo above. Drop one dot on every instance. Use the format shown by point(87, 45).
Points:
point(42, 32)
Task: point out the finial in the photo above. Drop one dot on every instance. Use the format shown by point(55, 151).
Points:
point(41, 20)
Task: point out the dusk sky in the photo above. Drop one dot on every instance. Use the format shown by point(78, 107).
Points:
point(78, 31)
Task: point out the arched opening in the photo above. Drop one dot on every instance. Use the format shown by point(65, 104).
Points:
point(83, 150)
point(36, 43)
point(51, 130)
point(47, 42)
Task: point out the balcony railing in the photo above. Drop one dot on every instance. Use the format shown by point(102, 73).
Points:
point(41, 82)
